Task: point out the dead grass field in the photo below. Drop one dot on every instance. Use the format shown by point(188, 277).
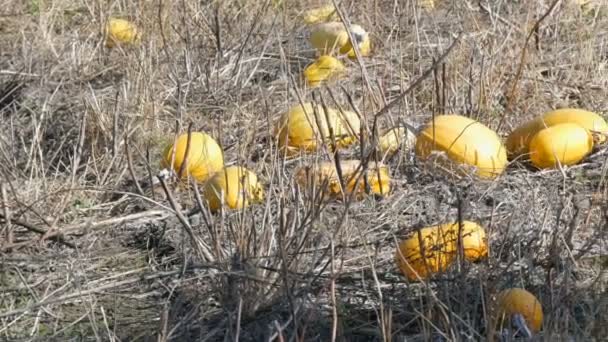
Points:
point(98, 253)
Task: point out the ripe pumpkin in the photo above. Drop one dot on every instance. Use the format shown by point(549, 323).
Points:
point(205, 157)
point(330, 36)
point(434, 255)
point(324, 68)
point(519, 139)
point(320, 14)
point(377, 175)
point(465, 141)
point(297, 130)
point(120, 31)
point(586, 6)
point(474, 240)
point(427, 4)
point(238, 186)
point(392, 139)
point(566, 143)
point(519, 301)
point(441, 245)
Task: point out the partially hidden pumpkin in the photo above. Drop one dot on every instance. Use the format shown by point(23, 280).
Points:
point(514, 301)
point(426, 252)
point(205, 157)
point(391, 140)
point(474, 240)
point(325, 68)
point(439, 248)
point(465, 141)
point(518, 141)
point(300, 130)
point(320, 14)
point(428, 5)
point(324, 177)
point(329, 37)
point(235, 187)
point(562, 144)
point(120, 32)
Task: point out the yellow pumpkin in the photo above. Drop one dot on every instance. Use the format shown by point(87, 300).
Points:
point(474, 240)
point(205, 157)
point(434, 255)
point(324, 68)
point(427, 4)
point(320, 14)
point(377, 174)
point(519, 301)
point(565, 144)
point(330, 36)
point(299, 130)
point(466, 141)
point(365, 48)
point(238, 186)
point(120, 31)
point(586, 6)
point(392, 139)
point(518, 141)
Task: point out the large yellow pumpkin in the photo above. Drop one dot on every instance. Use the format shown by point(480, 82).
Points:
point(519, 301)
point(120, 31)
point(564, 144)
point(205, 157)
point(331, 36)
point(236, 185)
point(519, 139)
point(377, 176)
point(466, 141)
point(299, 130)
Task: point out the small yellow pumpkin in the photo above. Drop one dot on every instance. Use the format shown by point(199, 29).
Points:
point(325, 68)
point(519, 139)
point(519, 301)
point(393, 139)
point(120, 31)
point(466, 141)
point(427, 4)
point(427, 251)
point(365, 47)
point(377, 174)
point(205, 156)
point(299, 130)
point(320, 14)
point(565, 144)
point(330, 36)
point(586, 6)
point(236, 185)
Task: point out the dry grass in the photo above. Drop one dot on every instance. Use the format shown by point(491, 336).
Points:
point(97, 252)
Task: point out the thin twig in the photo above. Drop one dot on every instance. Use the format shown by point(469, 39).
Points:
point(130, 167)
point(7, 217)
point(419, 80)
point(201, 247)
point(35, 229)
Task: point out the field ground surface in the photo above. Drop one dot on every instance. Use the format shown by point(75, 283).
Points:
point(94, 248)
